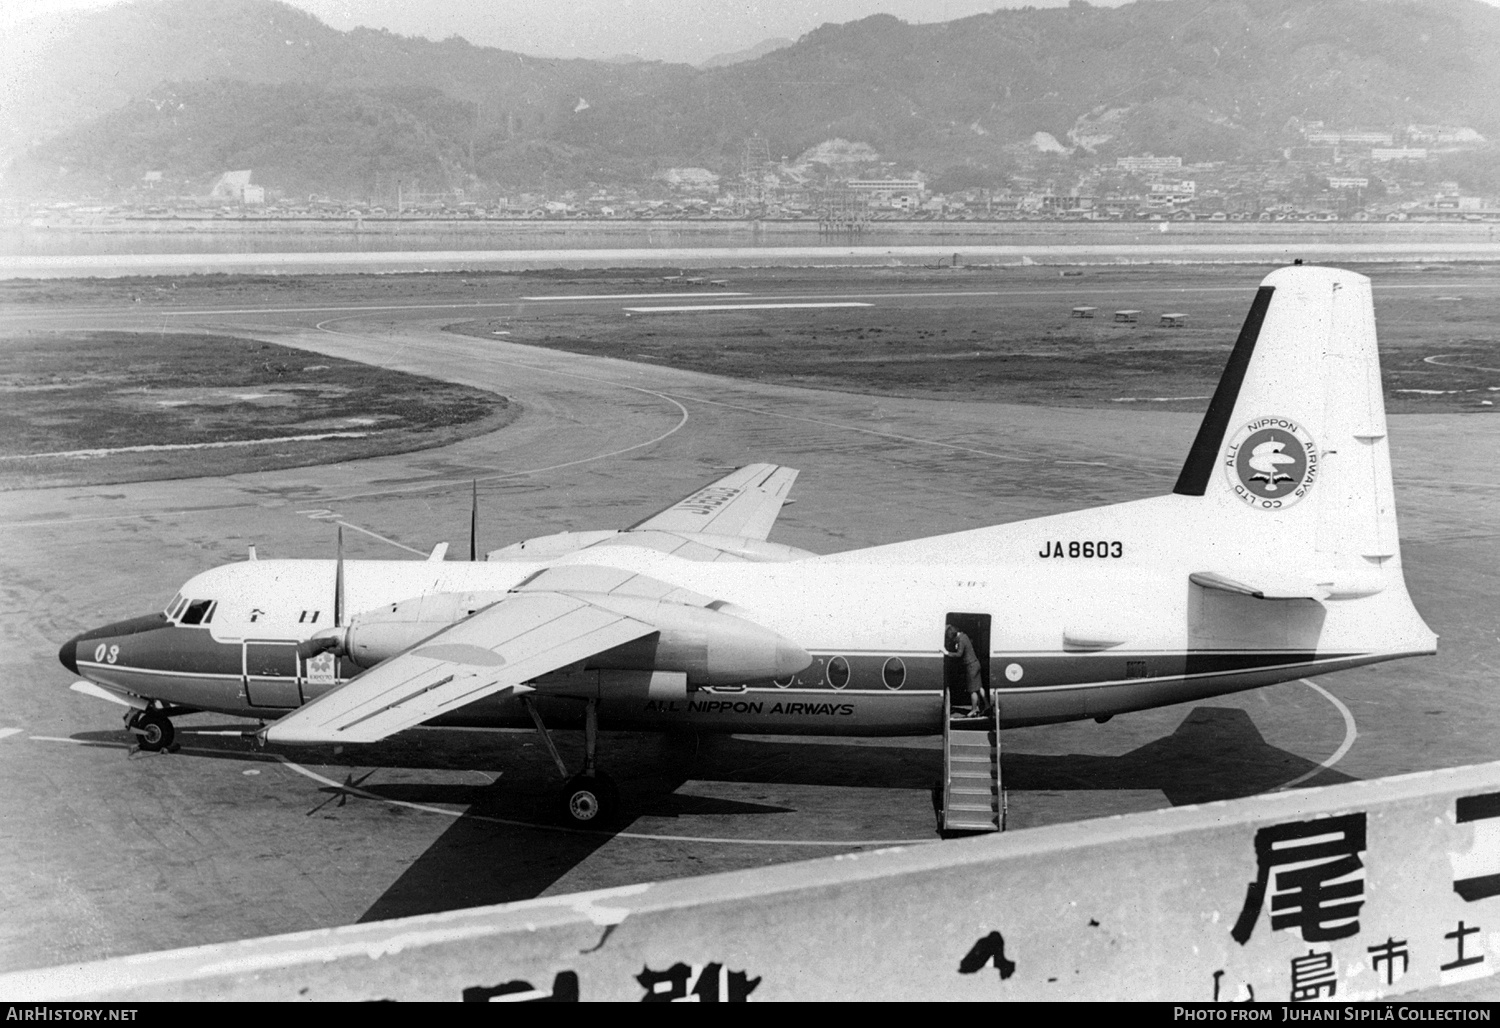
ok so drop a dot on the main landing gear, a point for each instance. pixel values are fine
(590, 798)
(152, 728)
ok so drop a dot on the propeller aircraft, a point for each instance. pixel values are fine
(1274, 557)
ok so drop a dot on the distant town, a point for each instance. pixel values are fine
(1335, 174)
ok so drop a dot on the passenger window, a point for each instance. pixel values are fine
(894, 673)
(199, 612)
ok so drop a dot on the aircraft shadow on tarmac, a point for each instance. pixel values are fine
(486, 857)
(506, 846)
(1216, 753)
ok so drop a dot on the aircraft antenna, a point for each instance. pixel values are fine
(338, 583)
(474, 523)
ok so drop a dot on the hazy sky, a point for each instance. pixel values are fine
(674, 30)
(677, 30)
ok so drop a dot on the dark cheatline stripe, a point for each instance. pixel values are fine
(1202, 457)
(1210, 663)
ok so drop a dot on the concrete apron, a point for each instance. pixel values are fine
(1347, 892)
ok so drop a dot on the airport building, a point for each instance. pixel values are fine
(888, 189)
(1336, 137)
(1167, 193)
(1148, 165)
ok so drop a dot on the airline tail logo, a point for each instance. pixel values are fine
(1271, 463)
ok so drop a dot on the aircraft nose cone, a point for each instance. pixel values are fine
(69, 655)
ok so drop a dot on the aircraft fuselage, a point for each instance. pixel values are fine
(1275, 556)
(1064, 637)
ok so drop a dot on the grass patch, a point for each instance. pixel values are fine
(1438, 351)
(112, 391)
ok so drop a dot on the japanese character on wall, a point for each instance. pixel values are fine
(564, 990)
(988, 950)
(1387, 953)
(1314, 875)
(700, 983)
(1477, 874)
(1311, 975)
(1460, 936)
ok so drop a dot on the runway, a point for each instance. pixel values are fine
(1472, 243)
(110, 852)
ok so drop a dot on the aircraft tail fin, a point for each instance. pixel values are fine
(1293, 447)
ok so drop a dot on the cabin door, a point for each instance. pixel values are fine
(271, 675)
(955, 677)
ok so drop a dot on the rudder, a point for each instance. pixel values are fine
(1293, 447)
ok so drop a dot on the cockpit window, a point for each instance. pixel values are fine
(172, 607)
(199, 612)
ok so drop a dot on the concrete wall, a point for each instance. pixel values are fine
(1353, 891)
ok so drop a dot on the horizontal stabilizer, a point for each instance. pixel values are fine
(1262, 589)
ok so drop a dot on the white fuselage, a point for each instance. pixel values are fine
(1069, 635)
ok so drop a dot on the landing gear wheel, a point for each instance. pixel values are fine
(589, 801)
(154, 731)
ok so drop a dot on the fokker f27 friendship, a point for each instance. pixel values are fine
(1275, 557)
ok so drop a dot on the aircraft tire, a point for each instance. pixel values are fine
(589, 801)
(156, 732)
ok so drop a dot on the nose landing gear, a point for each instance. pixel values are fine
(152, 728)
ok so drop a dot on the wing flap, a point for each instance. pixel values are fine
(502, 647)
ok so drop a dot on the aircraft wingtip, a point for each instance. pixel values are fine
(283, 735)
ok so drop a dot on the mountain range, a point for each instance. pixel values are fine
(91, 101)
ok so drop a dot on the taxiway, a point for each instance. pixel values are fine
(107, 851)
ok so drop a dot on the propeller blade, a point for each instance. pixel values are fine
(331, 638)
(474, 523)
(338, 583)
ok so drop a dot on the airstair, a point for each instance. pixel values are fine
(973, 798)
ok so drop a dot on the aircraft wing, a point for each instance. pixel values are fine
(499, 648)
(743, 504)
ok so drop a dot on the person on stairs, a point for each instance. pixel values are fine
(957, 644)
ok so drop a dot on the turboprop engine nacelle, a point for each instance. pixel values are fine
(710, 645)
(380, 634)
(714, 645)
